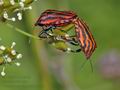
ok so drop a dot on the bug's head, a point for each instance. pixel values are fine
(36, 24)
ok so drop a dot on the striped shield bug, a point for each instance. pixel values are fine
(55, 20)
(84, 37)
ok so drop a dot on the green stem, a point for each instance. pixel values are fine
(22, 32)
(32, 36)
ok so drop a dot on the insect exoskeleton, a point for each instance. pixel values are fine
(55, 20)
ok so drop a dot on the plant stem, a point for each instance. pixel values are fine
(22, 32)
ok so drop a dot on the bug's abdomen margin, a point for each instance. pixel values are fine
(84, 37)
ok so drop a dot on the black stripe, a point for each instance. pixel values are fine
(88, 33)
(83, 33)
(88, 46)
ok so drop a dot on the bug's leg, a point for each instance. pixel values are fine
(70, 50)
(65, 36)
(76, 51)
(71, 40)
(73, 43)
(51, 30)
(45, 31)
(61, 44)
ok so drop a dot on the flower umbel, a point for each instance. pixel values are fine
(16, 7)
(8, 55)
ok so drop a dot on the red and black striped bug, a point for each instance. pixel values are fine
(55, 18)
(51, 19)
(84, 37)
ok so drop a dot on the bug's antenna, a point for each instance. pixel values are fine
(83, 64)
(91, 65)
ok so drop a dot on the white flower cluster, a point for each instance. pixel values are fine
(22, 7)
(1, 2)
(9, 55)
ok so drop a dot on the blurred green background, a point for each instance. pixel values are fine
(45, 68)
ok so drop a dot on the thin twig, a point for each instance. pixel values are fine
(22, 32)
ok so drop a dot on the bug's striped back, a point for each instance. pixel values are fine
(55, 18)
(84, 37)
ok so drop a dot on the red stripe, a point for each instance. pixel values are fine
(85, 37)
